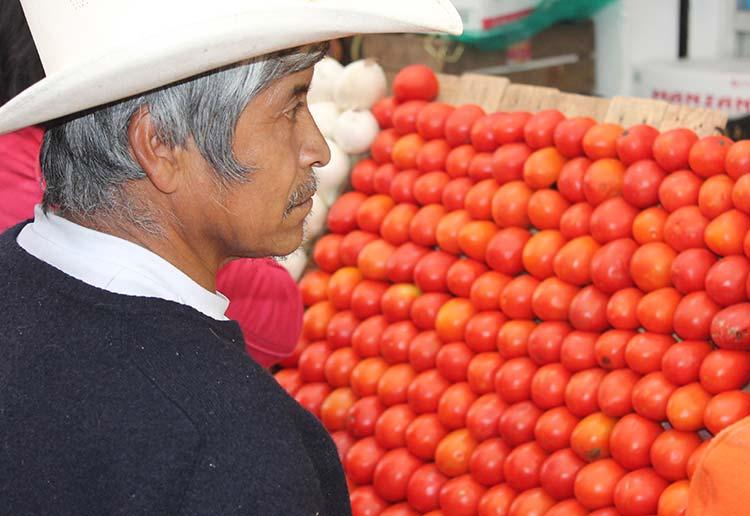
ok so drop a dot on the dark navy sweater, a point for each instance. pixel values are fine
(124, 405)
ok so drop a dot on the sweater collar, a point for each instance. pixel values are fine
(114, 264)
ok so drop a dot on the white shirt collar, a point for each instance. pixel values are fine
(114, 264)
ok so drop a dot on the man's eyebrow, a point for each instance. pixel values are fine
(300, 89)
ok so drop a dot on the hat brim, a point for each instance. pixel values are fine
(150, 63)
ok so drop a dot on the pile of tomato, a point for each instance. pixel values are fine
(527, 314)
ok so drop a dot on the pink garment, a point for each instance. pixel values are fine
(266, 302)
(20, 175)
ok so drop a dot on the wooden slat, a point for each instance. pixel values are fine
(704, 122)
(629, 111)
(483, 90)
(450, 88)
(520, 97)
(580, 105)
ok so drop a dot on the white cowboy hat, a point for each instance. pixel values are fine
(98, 51)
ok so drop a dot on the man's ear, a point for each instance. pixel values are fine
(157, 159)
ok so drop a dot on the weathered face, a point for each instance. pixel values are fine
(278, 140)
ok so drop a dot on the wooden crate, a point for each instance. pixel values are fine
(499, 94)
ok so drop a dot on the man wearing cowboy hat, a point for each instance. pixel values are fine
(180, 140)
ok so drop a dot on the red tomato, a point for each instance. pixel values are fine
(631, 440)
(686, 406)
(737, 161)
(726, 280)
(513, 337)
(545, 341)
(638, 492)
(693, 316)
(715, 196)
(423, 435)
(651, 266)
(453, 454)
(382, 180)
(343, 442)
(400, 509)
(741, 194)
(482, 137)
(397, 301)
(558, 473)
(366, 503)
(570, 180)
(474, 237)
(425, 308)
(395, 226)
(460, 496)
(362, 176)
(648, 226)
(684, 228)
(352, 244)
(517, 423)
(366, 299)
(670, 453)
(508, 161)
(724, 370)
(590, 437)
(610, 265)
(567, 508)
(423, 351)
(339, 366)
(425, 391)
(588, 310)
(509, 127)
(459, 123)
(362, 417)
(454, 404)
(394, 384)
(415, 82)
(546, 208)
(393, 472)
(612, 219)
(682, 361)
(651, 394)
(539, 253)
(290, 380)
(314, 287)
(487, 460)
(430, 273)
(341, 285)
(366, 337)
(542, 168)
(395, 340)
(326, 253)
(482, 330)
(383, 111)
(725, 409)
(432, 156)
(391, 426)
(483, 415)
(510, 205)
(548, 386)
(455, 192)
(513, 379)
(600, 141)
(615, 392)
(621, 309)
(707, 155)
(730, 328)
(453, 361)
(609, 348)
(554, 428)
(366, 375)
(534, 502)
(674, 499)
(382, 147)
(522, 466)
(603, 180)
(690, 269)
(679, 189)
(575, 222)
(672, 148)
(725, 234)
(595, 483)
(644, 352)
(569, 134)
(312, 362)
(577, 351)
(636, 143)
(552, 298)
(581, 393)
(405, 116)
(504, 252)
(482, 370)
(428, 188)
(401, 186)
(515, 300)
(431, 120)
(496, 501)
(424, 486)
(656, 310)
(373, 259)
(462, 274)
(486, 289)
(458, 162)
(540, 128)
(448, 229)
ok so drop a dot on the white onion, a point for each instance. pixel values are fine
(355, 130)
(325, 78)
(315, 223)
(295, 263)
(325, 115)
(333, 176)
(361, 85)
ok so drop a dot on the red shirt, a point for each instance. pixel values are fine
(20, 175)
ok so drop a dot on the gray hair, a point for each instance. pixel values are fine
(87, 163)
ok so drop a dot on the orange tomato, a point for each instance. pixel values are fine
(657, 308)
(513, 337)
(452, 319)
(540, 251)
(314, 287)
(707, 155)
(621, 309)
(546, 208)
(393, 386)
(725, 409)
(406, 150)
(603, 180)
(684, 228)
(651, 266)
(686, 406)
(335, 409)
(486, 290)
(572, 263)
(448, 229)
(600, 141)
(316, 319)
(725, 234)
(453, 454)
(510, 205)
(595, 483)
(590, 437)
(373, 259)
(715, 196)
(395, 226)
(543, 167)
(674, 499)
(737, 160)
(741, 194)
(366, 375)
(533, 502)
(341, 285)
(648, 225)
(552, 298)
(678, 189)
(478, 201)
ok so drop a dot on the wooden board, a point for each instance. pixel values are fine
(520, 97)
(630, 111)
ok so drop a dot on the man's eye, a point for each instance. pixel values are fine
(296, 109)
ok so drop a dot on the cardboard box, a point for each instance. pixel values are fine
(720, 84)
(480, 15)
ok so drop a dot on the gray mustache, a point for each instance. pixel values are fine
(304, 192)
